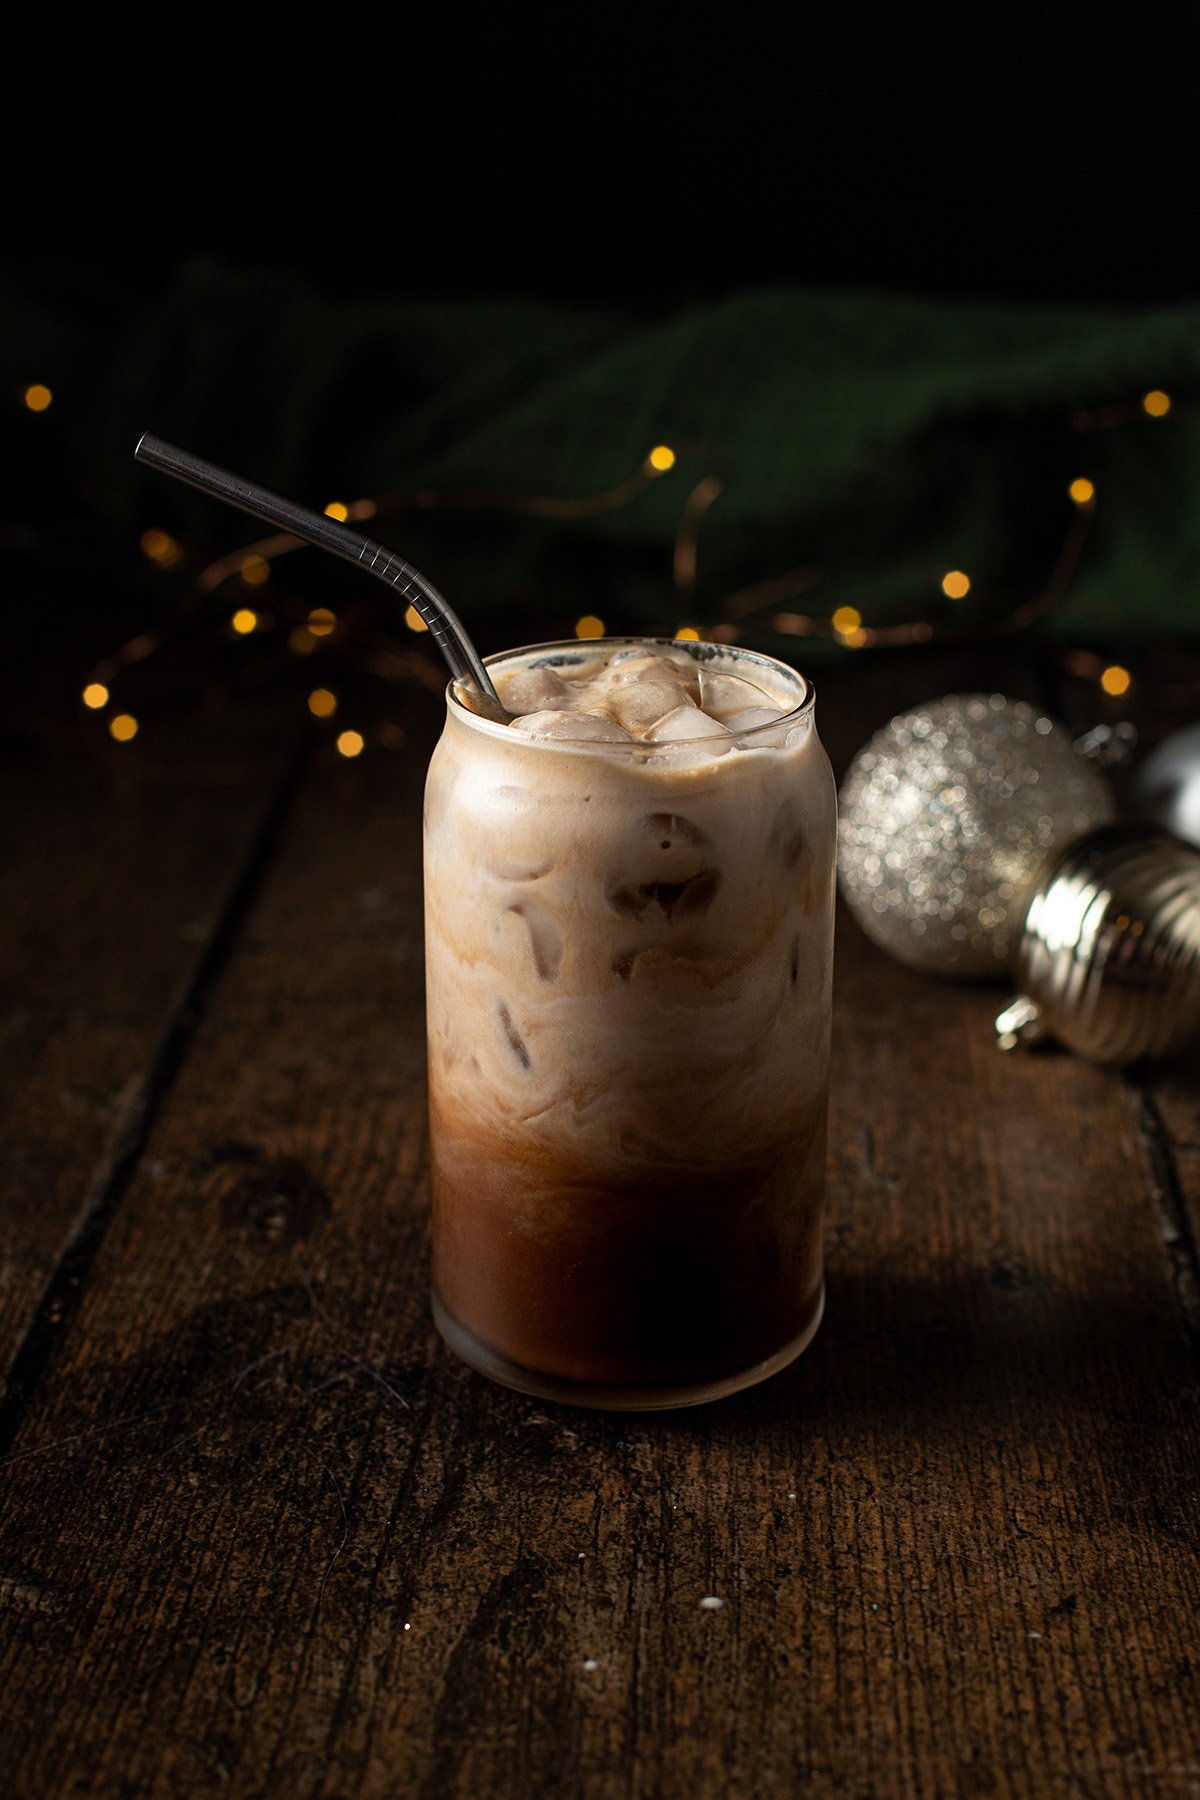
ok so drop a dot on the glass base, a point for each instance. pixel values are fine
(498, 1368)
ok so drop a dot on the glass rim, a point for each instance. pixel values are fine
(699, 650)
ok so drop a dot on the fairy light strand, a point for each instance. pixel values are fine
(758, 604)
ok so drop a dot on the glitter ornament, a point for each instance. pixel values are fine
(947, 815)
(1108, 958)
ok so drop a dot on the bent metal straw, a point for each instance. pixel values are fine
(445, 627)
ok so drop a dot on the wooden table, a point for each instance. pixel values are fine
(262, 1535)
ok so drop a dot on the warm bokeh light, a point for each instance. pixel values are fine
(335, 510)
(854, 639)
(37, 396)
(321, 621)
(350, 743)
(95, 695)
(1082, 491)
(301, 641)
(123, 727)
(322, 703)
(1156, 403)
(589, 626)
(1115, 680)
(244, 621)
(846, 619)
(661, 458)
(254, 571)
(956, 585)
(414, 621)
(687, 634)
(160, 547)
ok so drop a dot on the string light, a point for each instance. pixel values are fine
(254, 571)
(251, 563)
(687, 534)
(322, 703)
(161, 548)
(37, 397)
(687, 634)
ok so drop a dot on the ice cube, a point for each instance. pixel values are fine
(721, 695)
(683, 723)
(631, 654)
(566, 727)
(753, 717)
(545, 937)
(533, 690)
(640, 705)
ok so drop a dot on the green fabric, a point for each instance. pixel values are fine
(880, 439)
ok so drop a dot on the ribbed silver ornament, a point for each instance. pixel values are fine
(1109, 955)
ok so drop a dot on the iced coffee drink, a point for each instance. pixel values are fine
(629, 932)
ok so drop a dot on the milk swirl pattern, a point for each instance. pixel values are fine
(629, 951)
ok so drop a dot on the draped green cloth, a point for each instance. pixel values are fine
(875, 441)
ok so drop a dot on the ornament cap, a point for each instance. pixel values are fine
(1107, 746)
(1021, 1025)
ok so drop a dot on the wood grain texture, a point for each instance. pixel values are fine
(113, 891)
(263, 1536)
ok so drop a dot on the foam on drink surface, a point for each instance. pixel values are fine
(656, 695)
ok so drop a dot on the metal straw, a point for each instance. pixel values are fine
(445, 627)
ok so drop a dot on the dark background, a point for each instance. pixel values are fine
(595, 158)
(636, 165)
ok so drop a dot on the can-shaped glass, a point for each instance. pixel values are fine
(629, 955)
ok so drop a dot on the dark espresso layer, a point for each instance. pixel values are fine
(664, 1278)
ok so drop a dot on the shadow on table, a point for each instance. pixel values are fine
(975, 1363)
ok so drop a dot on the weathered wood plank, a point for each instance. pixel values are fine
(112, 890)
(262, 1533)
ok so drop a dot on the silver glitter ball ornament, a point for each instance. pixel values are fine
(947, 814)
(1108, 957)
